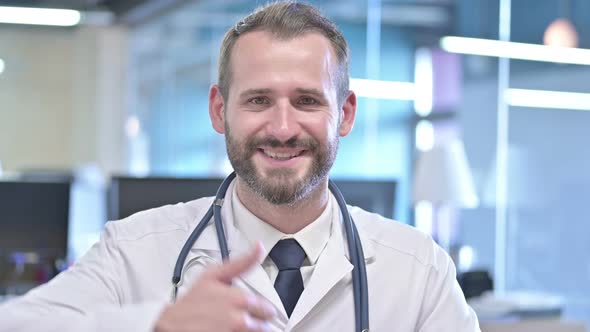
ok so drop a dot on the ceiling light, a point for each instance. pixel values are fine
(39, 16)
(522, 51)
(424, 80)
(548, 99)
(382, 89)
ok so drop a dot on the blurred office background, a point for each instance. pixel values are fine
(484, 143)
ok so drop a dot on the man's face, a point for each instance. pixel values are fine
(281, 118)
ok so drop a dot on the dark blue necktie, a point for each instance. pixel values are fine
(288, 256)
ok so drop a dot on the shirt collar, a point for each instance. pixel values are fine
(313, 238)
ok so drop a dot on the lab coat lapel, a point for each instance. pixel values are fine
(256, 278)
(332, 266)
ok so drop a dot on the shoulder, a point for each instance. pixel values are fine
(180, 217)
(396, 238)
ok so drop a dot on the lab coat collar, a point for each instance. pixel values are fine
(367, 244)
(236, 241)
(208, 239)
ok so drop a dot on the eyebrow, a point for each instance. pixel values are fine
(313, 92)
(251, 92)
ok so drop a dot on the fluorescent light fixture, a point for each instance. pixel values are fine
(1, 66)
(522, 51)
(39, 16)
(383, 89)
(423, 78)
(548, 99)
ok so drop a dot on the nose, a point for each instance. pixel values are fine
(284, 124)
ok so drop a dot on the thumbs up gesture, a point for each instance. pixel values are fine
(212, 304)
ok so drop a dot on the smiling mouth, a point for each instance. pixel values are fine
(282, 155)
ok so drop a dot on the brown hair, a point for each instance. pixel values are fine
(286, 20)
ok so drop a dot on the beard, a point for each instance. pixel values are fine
(280, 186)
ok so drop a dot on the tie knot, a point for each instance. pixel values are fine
(287, 255)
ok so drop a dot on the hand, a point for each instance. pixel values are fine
(213, 305)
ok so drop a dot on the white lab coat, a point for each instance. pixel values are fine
(124, 281)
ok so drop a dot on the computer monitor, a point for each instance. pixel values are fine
(34, 217)
(376, 196)
(128, 195)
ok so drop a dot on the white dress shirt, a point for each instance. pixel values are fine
(313, 238)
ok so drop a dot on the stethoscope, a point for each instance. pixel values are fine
(355, 249)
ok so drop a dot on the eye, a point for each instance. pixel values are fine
(258, 101)
(307, 101)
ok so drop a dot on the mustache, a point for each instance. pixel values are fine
(293, 142)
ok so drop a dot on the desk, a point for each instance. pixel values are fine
(536, 325)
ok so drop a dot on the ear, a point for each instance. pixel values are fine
(348, 114)
(216, 109)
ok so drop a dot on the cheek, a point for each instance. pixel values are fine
(322, 127)
(241, 126)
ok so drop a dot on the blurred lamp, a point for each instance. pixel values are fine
(443, 179)
(561, 33)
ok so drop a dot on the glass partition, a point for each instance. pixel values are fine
(543, 248)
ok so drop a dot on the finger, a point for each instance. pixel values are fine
(235, 267)
(260, 308)
(247, 323)
(257, 306)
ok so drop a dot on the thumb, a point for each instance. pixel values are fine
(235, 267)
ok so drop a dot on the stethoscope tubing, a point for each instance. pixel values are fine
(219, 197)
(357, 257)
(355, 250)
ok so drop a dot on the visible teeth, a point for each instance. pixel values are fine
(281, 156)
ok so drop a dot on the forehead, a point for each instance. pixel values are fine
(260, 56)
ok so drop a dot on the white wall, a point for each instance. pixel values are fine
(62, 97)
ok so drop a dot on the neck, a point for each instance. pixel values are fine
(287, 218)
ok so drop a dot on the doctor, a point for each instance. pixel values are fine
(282, 103)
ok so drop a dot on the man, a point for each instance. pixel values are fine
(282, 102)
